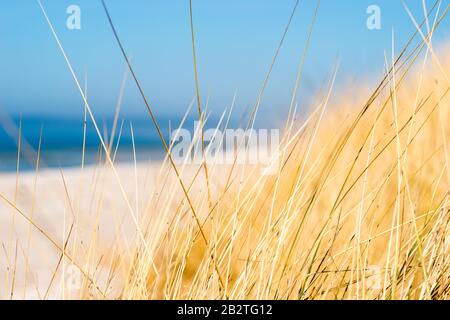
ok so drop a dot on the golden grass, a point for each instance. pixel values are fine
(358, 208)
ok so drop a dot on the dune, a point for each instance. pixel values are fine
(357, 208)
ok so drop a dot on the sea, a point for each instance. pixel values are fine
(60, 141)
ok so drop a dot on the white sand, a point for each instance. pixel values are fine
(102, 207)
(93, 198)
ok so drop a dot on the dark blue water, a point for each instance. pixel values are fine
(62, 141)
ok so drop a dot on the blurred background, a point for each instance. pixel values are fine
(235, 42)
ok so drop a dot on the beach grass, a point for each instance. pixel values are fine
(357, 207)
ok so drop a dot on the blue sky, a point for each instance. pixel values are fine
(236, 40)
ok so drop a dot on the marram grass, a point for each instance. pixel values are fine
(358, 209)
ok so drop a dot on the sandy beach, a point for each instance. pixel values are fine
(88, 205)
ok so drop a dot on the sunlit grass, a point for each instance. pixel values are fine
(358, 208)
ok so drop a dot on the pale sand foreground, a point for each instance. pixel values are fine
(54, 199)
